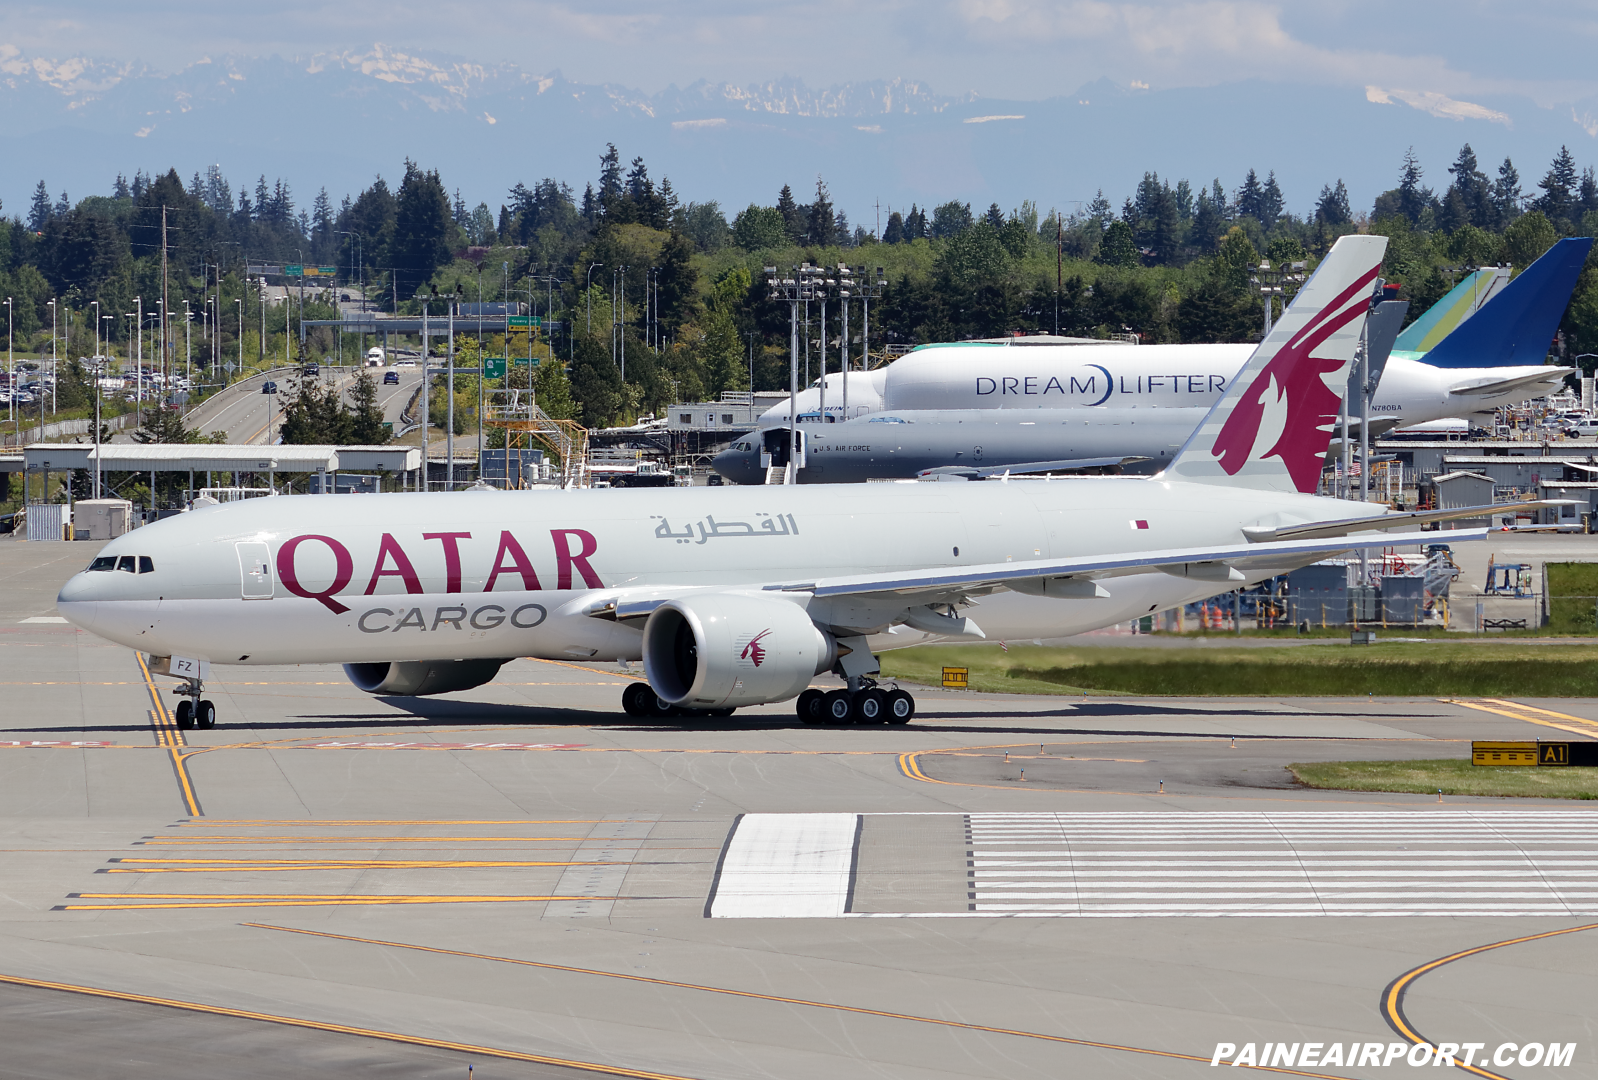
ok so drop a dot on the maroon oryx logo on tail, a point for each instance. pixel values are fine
(754, 652)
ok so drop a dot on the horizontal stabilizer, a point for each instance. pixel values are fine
(1543, 376)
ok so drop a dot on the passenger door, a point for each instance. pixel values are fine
(255, 570)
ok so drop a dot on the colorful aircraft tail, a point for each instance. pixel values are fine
(1517, 326)
(1444, 317)
(1271, 428)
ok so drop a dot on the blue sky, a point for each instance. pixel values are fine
(1023, 49)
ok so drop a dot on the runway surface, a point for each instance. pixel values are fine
(524, 880)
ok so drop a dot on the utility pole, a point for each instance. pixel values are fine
(138, 363)
(166, 352)
(1059, 268)
(845, 286)
(449, 432)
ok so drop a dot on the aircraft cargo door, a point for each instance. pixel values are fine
(255, 571)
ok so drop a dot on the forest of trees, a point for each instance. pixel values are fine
(1171, 264)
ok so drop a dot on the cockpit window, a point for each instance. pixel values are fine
(127, 565)
(104, 562)
(146, 564)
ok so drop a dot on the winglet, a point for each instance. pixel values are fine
(1271, 428)
(1516, 326)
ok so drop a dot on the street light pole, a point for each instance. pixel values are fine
(11, 372)
(589, 284)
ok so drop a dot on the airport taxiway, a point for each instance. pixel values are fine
(523, 879)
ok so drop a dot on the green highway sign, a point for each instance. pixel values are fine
(524, 322)
(293, 270)
(493, 367)
(300, 270)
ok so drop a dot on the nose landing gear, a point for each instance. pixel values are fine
(193, 711)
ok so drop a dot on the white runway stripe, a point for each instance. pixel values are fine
(1296, 864)
(786, 866)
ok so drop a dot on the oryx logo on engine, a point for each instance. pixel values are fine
(753, 651)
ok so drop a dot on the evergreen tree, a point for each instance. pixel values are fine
(915, 224)
(894, 232)
(365, 427)
(1184, 201)
(1251, 197)
(951, 219)
(1475, 191)
(421, 229)
(994, 216)
(1558, 187)
(793, 221)
(1413, 199)
(1099, 210)
(119, 190)
(821, 226)
(1586, 194)
(1270, 201)
(41, 210)
(1332, 208)
(609, 178)
(1506, 194)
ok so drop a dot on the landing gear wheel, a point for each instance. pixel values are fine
(809, 706)
(725, 710)
(205, 715)
(870, 707)
(836, 707)
(901, 707)
(637, 699)
(184, 714)
(659, 707)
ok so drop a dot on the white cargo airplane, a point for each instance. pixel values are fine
(739, 596)
(1031, 405)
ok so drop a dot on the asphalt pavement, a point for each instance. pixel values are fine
(522, 879)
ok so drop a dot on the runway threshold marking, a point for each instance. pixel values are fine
(170, 737)
(1392, 1000)
(341, 1029)
(1516, 711)
(781, 999)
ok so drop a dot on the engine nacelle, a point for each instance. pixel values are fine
(728, 649)
(419, 678)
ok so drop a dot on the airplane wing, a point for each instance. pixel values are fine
(972, 472)
(1222, 564)
(1316, 530)
(1504, 386)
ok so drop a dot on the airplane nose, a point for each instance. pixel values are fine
(735, 465)
(76, 600)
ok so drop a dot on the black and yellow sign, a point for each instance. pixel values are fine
(1534, 753)
(956, 678)
(1503, 753)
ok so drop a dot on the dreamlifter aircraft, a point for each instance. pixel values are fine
(741, 596)
(1027, 405)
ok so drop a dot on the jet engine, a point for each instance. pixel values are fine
(727, 649)
(419, 678)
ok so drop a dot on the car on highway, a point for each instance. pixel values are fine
(391, 377)
(311, 369)
(405, 363)
(269, 387)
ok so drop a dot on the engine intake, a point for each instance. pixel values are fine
(420, 678)
(729, 649)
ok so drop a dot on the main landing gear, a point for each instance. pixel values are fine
(866, 704)
(642, 701)
(193, 711)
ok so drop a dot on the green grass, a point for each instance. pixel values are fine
(1397, 669)
(1571, 590)
(1453, 777)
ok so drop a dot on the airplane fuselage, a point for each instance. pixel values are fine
(357, 578)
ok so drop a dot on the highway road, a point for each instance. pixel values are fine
(244, 414)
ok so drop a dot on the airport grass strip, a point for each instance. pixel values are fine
(1451, 776)
(778, 999)
(340, 1029)
(1394, 669)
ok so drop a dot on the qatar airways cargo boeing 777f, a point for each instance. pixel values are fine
(741, 596)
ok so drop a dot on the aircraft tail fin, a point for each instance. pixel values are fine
(1271, 428)
(1516, 326)
(1445, 316)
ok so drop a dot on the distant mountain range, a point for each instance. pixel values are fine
(338, 120)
